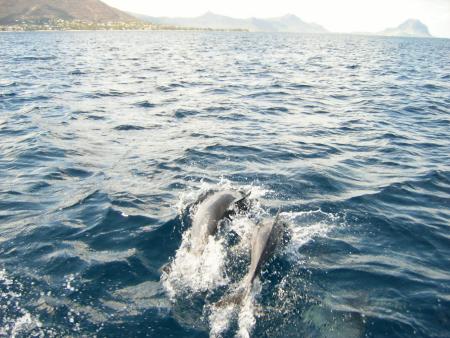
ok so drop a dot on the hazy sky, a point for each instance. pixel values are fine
(335, 15)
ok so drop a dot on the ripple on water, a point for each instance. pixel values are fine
(128, 127)
(184, 113)
(145, 104)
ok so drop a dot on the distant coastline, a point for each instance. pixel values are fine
(76, 25)
(79, 26)
(159, 29)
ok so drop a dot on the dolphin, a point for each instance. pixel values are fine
(207, 213)
(267, 236)
(210, 210)
(265, 240)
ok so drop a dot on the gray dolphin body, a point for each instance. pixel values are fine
(267, 236)
(210, 211)
(265, 239)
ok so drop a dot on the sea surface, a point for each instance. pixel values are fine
(107, 138)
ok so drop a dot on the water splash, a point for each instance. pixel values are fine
(246, 317)
(305, 226)
(210, 273)
(193, 272)
(204, 272)
(15, 320)
(220, 318)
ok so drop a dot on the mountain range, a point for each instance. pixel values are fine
(409, 28)
(17, 12)
(14, 11)
(287, 23)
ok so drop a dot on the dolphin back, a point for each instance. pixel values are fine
(214, 207)
(265, 240)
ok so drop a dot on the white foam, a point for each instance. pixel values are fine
(306, 226)
(25, 324)
(243, 227)
(19, 322)
(69, 279)
(4, 278)
(220, 319)
(246, 317)
(195, 272)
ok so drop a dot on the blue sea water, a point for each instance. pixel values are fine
(107, 137)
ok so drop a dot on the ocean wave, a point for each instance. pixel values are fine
(93, 207)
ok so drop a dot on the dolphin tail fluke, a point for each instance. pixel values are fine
(234, 298)
(166, 268)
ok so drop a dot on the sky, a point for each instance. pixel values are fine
(341, 16)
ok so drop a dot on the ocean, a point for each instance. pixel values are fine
(108, 138)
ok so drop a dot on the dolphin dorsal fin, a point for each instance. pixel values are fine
(277, 216)
(240, 203)
(244, 196)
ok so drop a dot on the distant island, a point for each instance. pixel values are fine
(287, 23)
(409, 28)
(29, 15)
(63, 15)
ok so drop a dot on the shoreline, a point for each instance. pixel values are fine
(124, 30)
(218, 31)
